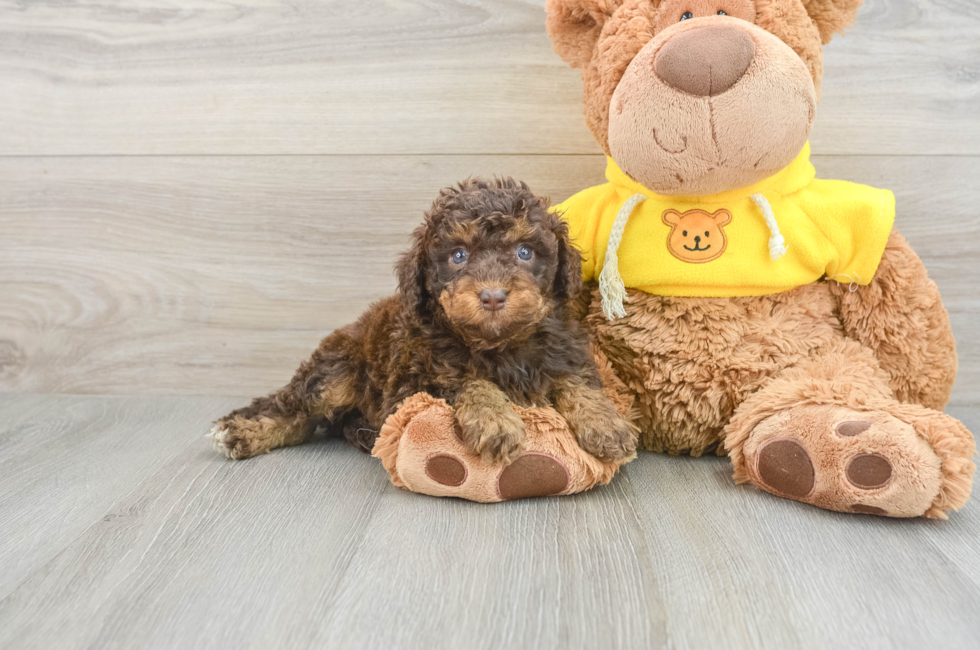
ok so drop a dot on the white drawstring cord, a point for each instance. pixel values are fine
(610, 281)
(855, 281)
(777, 244)
(611, 285)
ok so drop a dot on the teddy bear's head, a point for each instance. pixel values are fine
(694, 97)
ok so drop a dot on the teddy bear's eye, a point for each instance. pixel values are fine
(706, 233)
(687, 15)
(685, 233)
(721, 13)
(459, 256)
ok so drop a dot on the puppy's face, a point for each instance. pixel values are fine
(490, 261)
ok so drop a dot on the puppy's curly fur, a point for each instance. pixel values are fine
(481, 320)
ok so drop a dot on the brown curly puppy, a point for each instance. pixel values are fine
(481, 320)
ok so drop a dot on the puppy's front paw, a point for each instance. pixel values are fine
(497, 436)
(605, 435)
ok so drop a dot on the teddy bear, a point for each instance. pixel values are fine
(738, 304)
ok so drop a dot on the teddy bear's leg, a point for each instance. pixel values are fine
(614, 388)
(830, 432)
(900, 317)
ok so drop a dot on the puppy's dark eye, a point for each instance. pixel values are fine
(459, 256)
(524, 253)
(685, 233)
(687, 15)
(721, 13)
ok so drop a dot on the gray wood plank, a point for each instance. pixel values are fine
(217, 275)
(64, 461)
(741, 568)
(413, 76)
(312, 547)
(206, 553)
(574, 572)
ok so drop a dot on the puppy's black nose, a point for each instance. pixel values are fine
(493, 299)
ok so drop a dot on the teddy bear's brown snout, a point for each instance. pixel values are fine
(707, 61)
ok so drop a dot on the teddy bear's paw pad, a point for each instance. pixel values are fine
(851, 428)
(533, 474)
(869, 471)
(840, 459)
(784, 465)
(446, 470)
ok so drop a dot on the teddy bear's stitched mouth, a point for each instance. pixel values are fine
(661, 145)
(696, 248)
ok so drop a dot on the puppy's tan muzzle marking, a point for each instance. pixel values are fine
(706, 61)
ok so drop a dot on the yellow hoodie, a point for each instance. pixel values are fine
(786, 231)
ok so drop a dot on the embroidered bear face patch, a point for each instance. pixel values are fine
(696, 235)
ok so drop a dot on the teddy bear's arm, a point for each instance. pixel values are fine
(901, 318)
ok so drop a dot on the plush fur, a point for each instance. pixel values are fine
(422, 453)
(739, 375)
(481, 321)
(603, 37)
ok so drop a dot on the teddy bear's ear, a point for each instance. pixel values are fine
(574, 27)
(831, 16)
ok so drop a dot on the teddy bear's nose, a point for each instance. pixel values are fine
(705, 61)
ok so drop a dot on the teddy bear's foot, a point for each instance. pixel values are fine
(532, 474)
(422, 447)
(870, 462)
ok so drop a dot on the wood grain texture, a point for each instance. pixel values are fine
(213, 275)
(64, 461)
(413, 76)
(743, 569)
(311, 547)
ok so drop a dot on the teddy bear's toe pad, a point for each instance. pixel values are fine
(852, 428)
(869, 471)
(785, 466)
(840, 459)
(532, 475)
(446, 470)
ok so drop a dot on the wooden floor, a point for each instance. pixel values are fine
(193, 193)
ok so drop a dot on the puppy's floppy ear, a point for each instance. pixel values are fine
(411, 271)
(568, 275)
(831, 16)
(574, 27)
